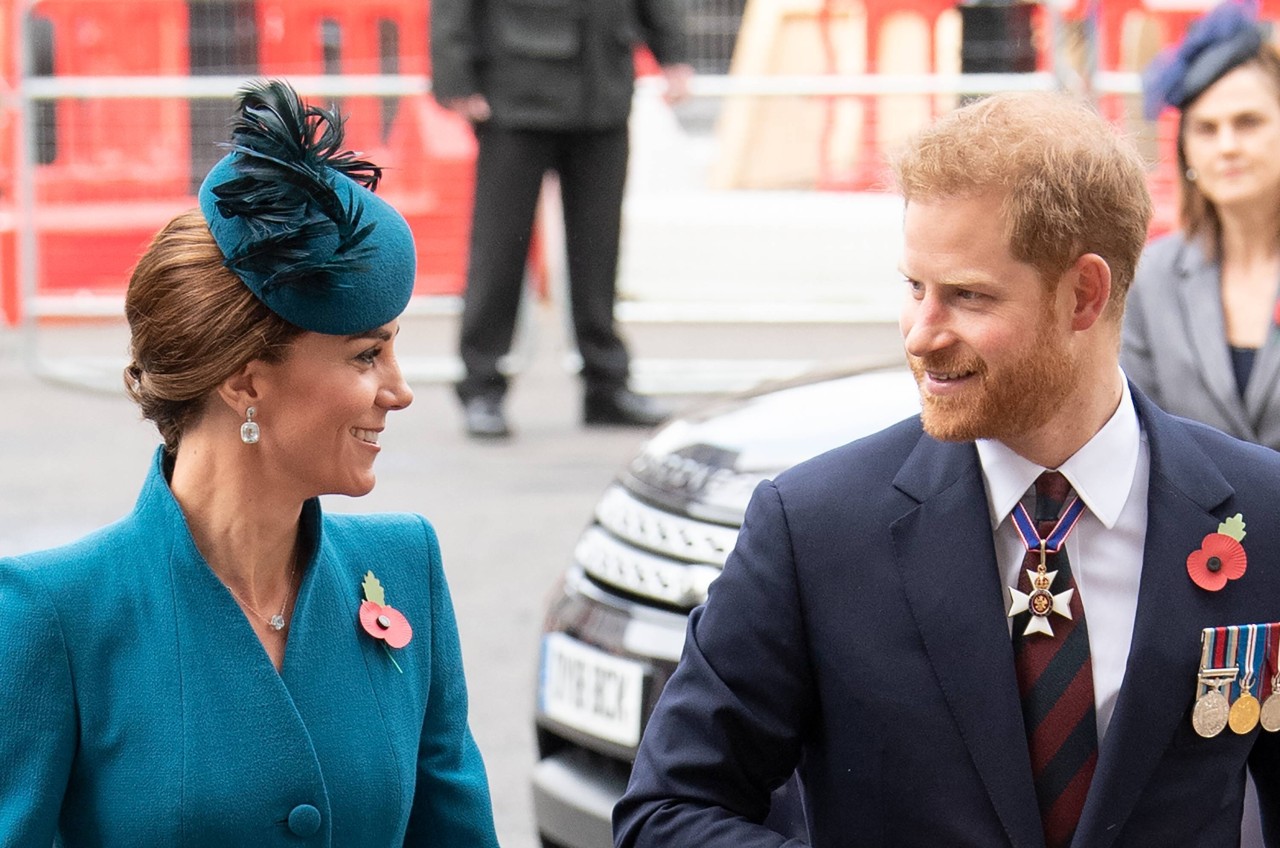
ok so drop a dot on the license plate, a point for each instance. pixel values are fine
(590, 690)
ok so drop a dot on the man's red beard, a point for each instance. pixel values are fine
(1002, 406)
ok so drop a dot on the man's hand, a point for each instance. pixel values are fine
(677, 77)
(473, 107)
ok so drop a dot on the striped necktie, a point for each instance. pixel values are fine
(1055, 679)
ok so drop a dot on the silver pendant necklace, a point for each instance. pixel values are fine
(275, 622)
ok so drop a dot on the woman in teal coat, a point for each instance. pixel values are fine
(227, 665)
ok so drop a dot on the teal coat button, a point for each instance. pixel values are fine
(304, 820)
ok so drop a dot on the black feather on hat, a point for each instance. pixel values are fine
(297, 220)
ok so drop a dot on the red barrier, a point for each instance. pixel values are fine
(113, 171)
(9, 294)
(432, 185)
(112, 150)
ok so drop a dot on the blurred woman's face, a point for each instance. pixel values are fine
(324, 407)
(1231, 138)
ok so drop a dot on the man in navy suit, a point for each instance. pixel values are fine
(986, 625)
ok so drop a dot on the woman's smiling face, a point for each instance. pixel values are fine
(323, 407)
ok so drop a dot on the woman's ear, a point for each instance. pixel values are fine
(242, 389)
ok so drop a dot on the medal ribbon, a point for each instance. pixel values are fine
(1251, 668)
(1271, 660)
(1053, 542)
(1233, 651)
(1214, 651)
(1208, 636)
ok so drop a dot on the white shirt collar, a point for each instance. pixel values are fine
(1101, 472)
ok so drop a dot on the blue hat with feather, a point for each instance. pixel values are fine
(296, 218)
(1226, 37)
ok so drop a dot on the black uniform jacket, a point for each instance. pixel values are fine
(550, 64)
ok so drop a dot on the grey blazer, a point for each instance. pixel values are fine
(1175, 346)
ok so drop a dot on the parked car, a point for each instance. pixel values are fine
(661, 532)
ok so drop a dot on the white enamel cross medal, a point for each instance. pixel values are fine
(1041, 601)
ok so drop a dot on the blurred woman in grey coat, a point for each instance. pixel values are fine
(1200, 332)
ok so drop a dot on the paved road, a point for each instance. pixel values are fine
(508, 515)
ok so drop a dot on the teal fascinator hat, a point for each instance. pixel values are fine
(297, 221)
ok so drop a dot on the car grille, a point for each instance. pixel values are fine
(651, 553)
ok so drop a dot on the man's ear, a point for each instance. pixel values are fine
(243, 389)
(1089, 279)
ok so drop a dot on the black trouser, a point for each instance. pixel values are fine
(592, 165)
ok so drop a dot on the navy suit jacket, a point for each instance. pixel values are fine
(138, 707)
(858, 635)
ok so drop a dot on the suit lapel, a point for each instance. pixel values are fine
(958, 603)
(1185, 486)
(1200, 301)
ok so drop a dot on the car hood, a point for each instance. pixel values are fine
(706, 464)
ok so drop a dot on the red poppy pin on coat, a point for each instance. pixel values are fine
(1220, 556)
(381, 621)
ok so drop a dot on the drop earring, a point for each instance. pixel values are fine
(249, 430)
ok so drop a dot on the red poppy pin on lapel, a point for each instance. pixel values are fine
(1220, 556)
(381, 621)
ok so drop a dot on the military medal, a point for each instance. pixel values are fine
(1246, 709)
(1269, 717)
(1042, 600)
(1212, 710)
(1244, 714)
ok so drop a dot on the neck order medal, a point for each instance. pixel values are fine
(1042, 601)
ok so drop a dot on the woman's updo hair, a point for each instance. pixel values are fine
(193, 324)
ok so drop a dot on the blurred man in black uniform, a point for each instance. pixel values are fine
(547, 85)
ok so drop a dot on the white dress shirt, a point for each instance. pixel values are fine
(1110, 474)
